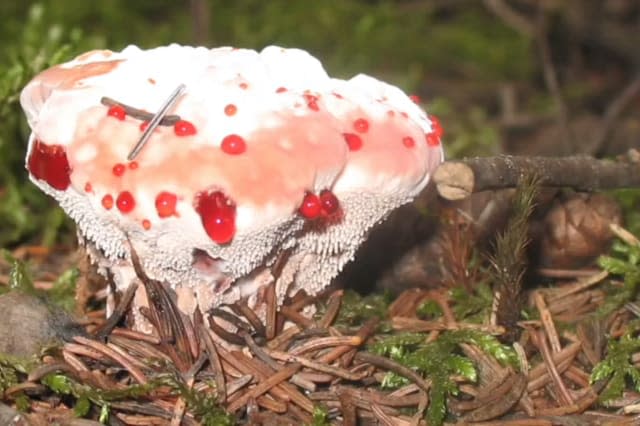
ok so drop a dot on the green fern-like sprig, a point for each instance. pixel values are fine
(616, 367)
(439, 361)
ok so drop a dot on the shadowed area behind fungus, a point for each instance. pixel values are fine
(406, 228)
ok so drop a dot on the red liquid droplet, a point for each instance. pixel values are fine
(119, 169)
(117, 111)
(433, 139)
(133, 165)
(354, 142)
(311, 206)
(218, 214)
(361, 125)
(125, 202)
(243, 86)
(233, 144)
(146, 224)
(312, 102)
(144, 125)
(408, 141)
(49, 163)
(166, 204)
(88, 187)
(107, 202)
(184, 128)
(415, 99)
(230, 110)
(329, 201)
(281, 89)
(436, 127)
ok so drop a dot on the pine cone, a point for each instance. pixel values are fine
(576, 230)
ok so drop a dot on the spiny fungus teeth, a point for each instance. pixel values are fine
(261, 151)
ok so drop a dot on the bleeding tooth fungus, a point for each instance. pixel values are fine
(272, 162)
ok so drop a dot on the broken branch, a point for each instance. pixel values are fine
(456, 180)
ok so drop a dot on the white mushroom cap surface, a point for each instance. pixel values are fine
(268, 153)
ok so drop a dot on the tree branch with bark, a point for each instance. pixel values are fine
(456, 180)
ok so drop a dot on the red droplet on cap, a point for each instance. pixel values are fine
(329, 201)
(117, 111)
(230, 109)
(88, 187)
(49, 163)
(361, 125)
(432, 139)
(166, 204)
(125, 202)
(415, 99)
(107, 202)
(312, 101)
(233, 144)
(184, 128)
(311, 206)
(408, 141)
(119, 169)
(281, 89)
(354, 142)
(436, 127)
(218, 215)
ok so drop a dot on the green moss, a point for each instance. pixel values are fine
(472, 306)
(62, 293)
(19, 275)
(357, 309)
(320, 416)
(439, 361)
(24, 210)
(616, 367)
(202, 405)
(629, 200)
(623, 261)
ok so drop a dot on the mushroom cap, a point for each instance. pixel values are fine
(256, 133)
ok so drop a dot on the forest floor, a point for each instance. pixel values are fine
(425, 356)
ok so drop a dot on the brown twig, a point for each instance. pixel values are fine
(541, 342)
(119, 312)
(397, 368)
(456, 180)
(510, 17)
(216, 364)
(241, 308)
(551, 76)
(168, 120)
(547, 321)
(122, 358)
(613, 111)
